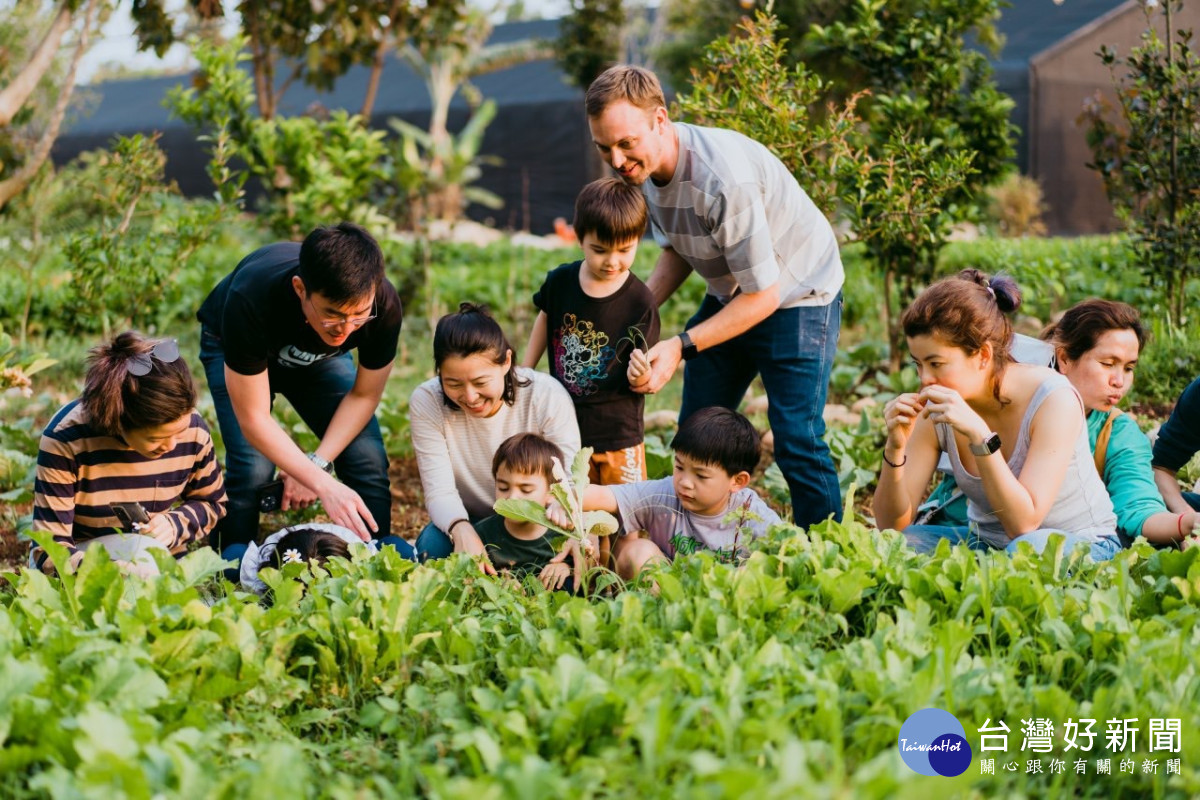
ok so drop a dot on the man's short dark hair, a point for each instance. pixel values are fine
(527, 454)
(720, 437)
(342, 262)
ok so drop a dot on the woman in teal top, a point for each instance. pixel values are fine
(1097, 344)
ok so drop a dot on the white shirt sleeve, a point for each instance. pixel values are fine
(426, 415)
(558, 423)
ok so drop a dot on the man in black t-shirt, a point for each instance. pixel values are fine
(284, 322)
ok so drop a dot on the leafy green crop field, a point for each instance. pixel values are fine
(787, 677)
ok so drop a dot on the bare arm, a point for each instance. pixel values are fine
(1168, 527)
(355, 411)
(1021, 503)
(911, 445)
(670, 271)
(1168, 486)
(599, 498)
(739, 315)
(251, 399)
(537, 342)
(595, 498)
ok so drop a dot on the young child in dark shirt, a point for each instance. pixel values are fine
(524, 468)
(593, 314)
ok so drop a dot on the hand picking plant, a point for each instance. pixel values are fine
(568, 490)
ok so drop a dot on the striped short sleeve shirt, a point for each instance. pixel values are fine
(80, 472)
(739, 218)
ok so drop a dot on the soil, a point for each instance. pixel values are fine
(1158, 411)
(12, 552)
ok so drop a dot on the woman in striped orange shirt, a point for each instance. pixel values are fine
(132, 442)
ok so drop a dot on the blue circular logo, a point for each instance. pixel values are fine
(933, 742)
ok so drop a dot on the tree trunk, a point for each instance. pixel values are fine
(16, 94)
(1178, 292)
(35, 254)
(13, 186)
(889, 324)
(373, 84)
(441, 92)
(380, 59)
(264, 68)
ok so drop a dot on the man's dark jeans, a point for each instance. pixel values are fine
(315, 392)
(793, 351)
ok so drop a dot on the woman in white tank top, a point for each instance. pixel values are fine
(1014, 433)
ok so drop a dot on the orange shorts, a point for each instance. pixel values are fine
(618, 466)
(627, 465)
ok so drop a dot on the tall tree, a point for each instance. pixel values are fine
(300, 40)
(938, 127)
(28, 135)
(589, 39)
(448, 49)
(1147, 150)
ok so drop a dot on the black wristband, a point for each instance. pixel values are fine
(689, 350)
(903, 461)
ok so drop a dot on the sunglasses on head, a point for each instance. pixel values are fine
(165, 351)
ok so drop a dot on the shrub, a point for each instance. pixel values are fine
(1016, 206)
(314, 168)
(787, 677)
(1149, 157)
(126, 261)
(743, 83)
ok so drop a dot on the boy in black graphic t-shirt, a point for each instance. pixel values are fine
(593, 314)
(284, 322)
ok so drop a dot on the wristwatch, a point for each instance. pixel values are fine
(989, 445)
(689, 347)
(321, 463)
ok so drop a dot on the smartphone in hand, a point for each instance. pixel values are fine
(131, 515)
(270, 496)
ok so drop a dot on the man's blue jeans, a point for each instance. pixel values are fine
(793, 351)
(925, 538)
(315, 392)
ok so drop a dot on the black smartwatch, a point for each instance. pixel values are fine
(990, 445)
(689, 347)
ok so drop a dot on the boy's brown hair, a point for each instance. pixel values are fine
(634, 85)
(611, 210)
(528, 454)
